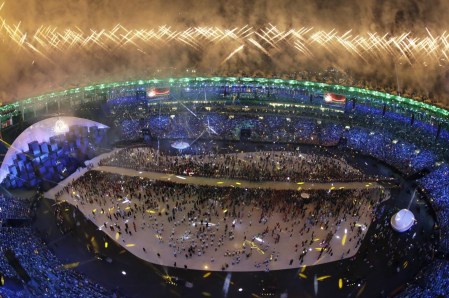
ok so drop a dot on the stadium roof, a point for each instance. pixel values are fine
(415, 105)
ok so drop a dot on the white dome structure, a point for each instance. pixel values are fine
(41, 131)
(403, 220)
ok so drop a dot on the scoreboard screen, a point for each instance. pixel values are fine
(157, 92)
(332, 98)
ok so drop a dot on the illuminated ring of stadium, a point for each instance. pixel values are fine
(349, 92)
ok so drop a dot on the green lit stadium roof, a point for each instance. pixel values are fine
(414, 105)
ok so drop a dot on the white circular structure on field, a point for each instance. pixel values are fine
(180, 145)
(403, 220)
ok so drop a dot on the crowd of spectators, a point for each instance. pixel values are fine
(418, 145)
(436, 185)
(404, 156)
(254, 166)
(421, 132)
(432, 282)
(14, 208)
(404, 153)
(409, 148)
(267, 128)
(48, 277)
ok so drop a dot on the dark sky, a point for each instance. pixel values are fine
(26, 73)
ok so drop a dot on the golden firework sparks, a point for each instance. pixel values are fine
(425, 49)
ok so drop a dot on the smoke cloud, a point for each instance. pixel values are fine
(26, 73)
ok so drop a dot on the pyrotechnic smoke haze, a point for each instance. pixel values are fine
(38, 54)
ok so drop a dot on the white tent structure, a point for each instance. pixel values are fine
(402, 220)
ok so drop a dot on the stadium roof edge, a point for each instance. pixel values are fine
(345, 90)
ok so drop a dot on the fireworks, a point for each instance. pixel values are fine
(47, 40)
(233, 53)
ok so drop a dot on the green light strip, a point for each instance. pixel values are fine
(360, 93)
